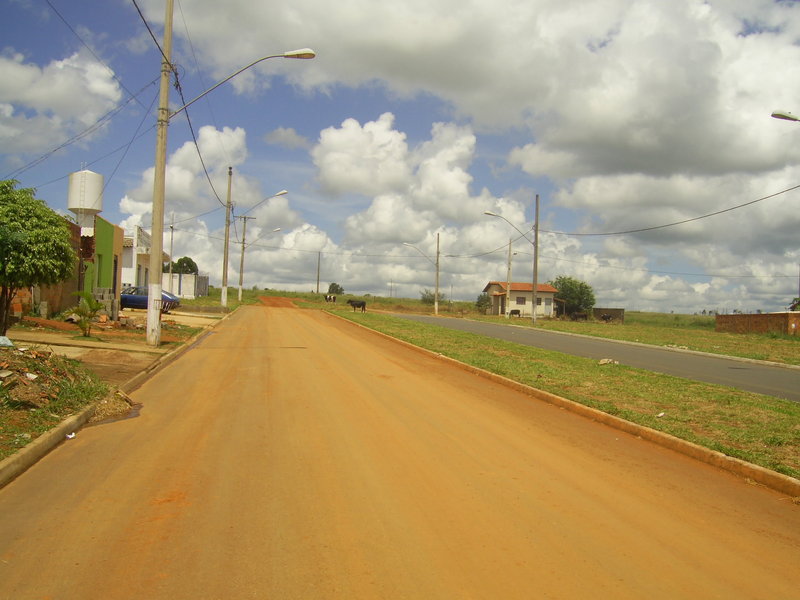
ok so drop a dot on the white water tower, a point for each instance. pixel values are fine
(85, 198)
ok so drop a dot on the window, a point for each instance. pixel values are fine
(538, 300)
(520, 300)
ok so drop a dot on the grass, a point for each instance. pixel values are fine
(62, 387)
(758, 429)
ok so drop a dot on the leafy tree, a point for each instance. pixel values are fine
(86, 311)
(183, 265)
(578, 296)
(429, 296)
(335, 289)
(483, 302)
(795, 305)
(35, 246)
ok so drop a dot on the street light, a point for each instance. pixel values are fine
(435, 264)
(785, 115)
(223, 298)
(159, 178)
(241, 261)
(535, 244)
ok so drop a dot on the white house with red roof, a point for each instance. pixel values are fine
(520, 298)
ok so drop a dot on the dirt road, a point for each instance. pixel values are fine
(291, 455)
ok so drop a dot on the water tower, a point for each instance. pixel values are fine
(85, 198)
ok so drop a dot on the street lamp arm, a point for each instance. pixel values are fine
(785, 115)
(257, 204)
(304, 53)
(491, 214)
(421, 252)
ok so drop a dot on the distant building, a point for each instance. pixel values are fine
(521, 298)
(136, 258)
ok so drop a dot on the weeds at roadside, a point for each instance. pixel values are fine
(38, 390)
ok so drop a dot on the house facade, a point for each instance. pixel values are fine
(102, 266)
(136, 258)
(520, 298)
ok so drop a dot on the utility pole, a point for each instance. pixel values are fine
(436, 293)
(535, 257)
(508, 282)
(224, 294)
(241, 262)
(319, 259)
(171, 239)
(159, 183)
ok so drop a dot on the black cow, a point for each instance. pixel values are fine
(358, 304)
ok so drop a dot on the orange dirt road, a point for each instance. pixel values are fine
(293, 455)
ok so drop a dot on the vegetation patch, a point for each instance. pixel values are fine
(38, 390)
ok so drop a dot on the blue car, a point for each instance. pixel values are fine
(136, 297)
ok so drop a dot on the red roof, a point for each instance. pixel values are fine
(523, 287)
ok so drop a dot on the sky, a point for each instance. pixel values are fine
(643, 126)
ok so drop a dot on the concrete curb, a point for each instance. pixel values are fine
(771, 479)
(15, 465)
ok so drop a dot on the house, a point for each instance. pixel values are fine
(521, 297)
(136, 258)
(101, 266)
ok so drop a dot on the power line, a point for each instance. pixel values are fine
(713, 214)
(89, 48)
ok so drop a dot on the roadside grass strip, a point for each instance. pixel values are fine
(759, 429)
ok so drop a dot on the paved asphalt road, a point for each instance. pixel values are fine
(759, 377)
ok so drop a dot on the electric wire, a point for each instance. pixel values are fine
(202, 82)
(683, 222)
(89, 48)
(102, 121)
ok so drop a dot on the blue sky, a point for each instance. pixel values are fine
(414, 119)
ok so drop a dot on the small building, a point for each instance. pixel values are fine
(184, 285)
(136, 258)
(521, 299)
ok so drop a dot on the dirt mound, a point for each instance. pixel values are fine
(51, 324)
(276, 302)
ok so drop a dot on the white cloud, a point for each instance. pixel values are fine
(45, 106)
(287, 137)
(369, 159)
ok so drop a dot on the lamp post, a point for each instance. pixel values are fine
(241, 261)
(226, 243)
(785, 115)
(535, 244)
(159, 178)
(435, 264)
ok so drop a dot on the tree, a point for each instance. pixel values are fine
(86, 311)
(183, 265)
(578, 296)
(335, 289)
(35, 246)
(429, 296)
(483, 302)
